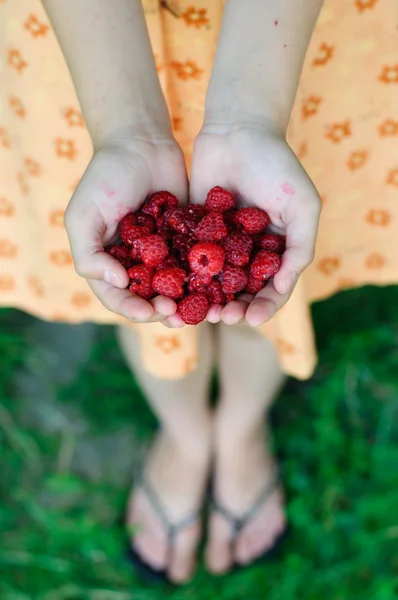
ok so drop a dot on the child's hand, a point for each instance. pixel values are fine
(117, 181)
(260, 169)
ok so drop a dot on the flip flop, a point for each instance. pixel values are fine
(145, 571)
(238, 523)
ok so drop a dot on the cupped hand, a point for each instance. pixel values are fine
(256, 164)
(117, 181)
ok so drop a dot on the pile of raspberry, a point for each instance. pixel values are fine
(198, 255)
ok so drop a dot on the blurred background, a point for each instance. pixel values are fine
(73, 423)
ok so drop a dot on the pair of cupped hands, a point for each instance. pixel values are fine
(253, 162)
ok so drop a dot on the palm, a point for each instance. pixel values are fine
(261, 170)
(117, 181)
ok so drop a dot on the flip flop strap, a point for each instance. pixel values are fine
(238, 522)
(172, 528)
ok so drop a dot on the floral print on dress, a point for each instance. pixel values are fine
(338, 131)
(187, 70)
(35, 27)
(363, 5)
(196, 17)
(16, 61)
(344, 130)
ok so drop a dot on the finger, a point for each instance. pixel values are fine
(85, 233)
(234, 312)
(163, 306)
(122, 302)
(301, 232)
(214, 313)
(173, 322)
(265, 305)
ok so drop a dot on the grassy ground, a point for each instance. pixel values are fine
(68, 436)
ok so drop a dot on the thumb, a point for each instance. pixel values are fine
(90, 259)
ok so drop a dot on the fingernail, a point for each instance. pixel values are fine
(112, 278)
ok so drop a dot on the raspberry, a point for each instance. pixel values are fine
(145, 221)
(169, 261)
(183, 243)
(158, 203)
(141, 280)
(193, 309)
(233, 279)
(129, 230)
(184, 219)
(254, 285)
(121, 253)
(214, 293)
(271, 242)
(252, 219)
(265, 265)
(174, 218)
(219, 200)
(193, 213)
(211, 228)
(153, 250)
(197, 283)
(169, 282)
(238, 247)
(135, 250)
(206, 259)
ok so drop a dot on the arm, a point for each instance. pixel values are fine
(259, 59)
(242, 144)
(107, 48)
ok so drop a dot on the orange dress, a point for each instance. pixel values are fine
(344, 129)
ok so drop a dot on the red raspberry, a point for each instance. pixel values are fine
(252, 219)
(271, 242)
(193, 309)
(169, 282)
(254, 285)
(214, 293)
(174, 218)
(141, 281)
(265, 265)
(183, 243)
(184, 219)
(206, 259)
(229, 220)
(233, 279)
(121, 253)
(193, 213)
(238, 247)
(129, 230)
(153, 250)
(170, 261)
(158, 203)
(211, 228)
(135, 250)
(145, 221)
(219, 200)
(197, 283)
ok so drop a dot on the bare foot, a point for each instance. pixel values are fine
(178, 475)
(243, 467)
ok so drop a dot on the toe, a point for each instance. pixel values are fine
(260, 535)
(183, 555)
(218, 551)
(152, 550)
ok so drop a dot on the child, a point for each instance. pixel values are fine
(345, 134)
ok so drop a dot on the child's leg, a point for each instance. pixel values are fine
(178, 465)
(250, 380)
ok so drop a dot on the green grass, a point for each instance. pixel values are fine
(337, 435)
